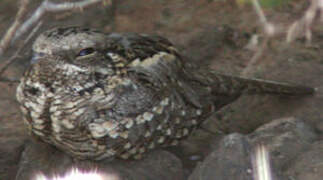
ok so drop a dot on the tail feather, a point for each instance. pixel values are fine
(237, 85)
(226, 88)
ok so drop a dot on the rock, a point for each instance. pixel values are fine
(40, 157)
(285, 138)
(308, 165)
(231, 160)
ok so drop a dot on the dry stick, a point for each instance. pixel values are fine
(12, 59)
(303, 25)
(253, 61)
(259, 12)
(33, 32)
(5, 41)
(48, 6)
(268, 30)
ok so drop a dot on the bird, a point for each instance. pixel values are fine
(98, 96)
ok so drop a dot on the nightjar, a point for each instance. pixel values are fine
(102, 96)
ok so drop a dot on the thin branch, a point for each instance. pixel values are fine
(9, 62)
(33, 32)
(269, 28)
(301, 27)
(5, 41)
(253, 61)
(47, 6)
(13, 58)
(269, 31)
(259, 12)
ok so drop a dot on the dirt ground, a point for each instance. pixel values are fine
(214, 33)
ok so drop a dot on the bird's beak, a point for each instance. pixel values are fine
(36, 56)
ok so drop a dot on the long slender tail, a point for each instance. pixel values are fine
(224, 89)
(225, 84)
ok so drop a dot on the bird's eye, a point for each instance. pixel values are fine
(86, 51)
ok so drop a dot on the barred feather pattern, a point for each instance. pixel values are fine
(108, 95)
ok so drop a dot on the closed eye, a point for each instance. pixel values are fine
(85, 52)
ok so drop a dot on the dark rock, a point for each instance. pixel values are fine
(231, 160)
(40, 157)
(284, 138)
(308, 165)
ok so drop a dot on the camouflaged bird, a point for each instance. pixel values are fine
(98, 96)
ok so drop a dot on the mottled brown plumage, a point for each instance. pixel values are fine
(98, 96)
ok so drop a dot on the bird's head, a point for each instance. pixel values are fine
(74, 49)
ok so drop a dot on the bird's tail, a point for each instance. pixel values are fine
(225, 84)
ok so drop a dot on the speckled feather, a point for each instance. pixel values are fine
(98, 96)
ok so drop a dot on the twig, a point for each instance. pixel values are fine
(302, 27)
(39, 24)
(269, 31)
(259, 12)
(10, 61)
(253, 61)
(13, 58)
(5, 41)
(269, 28)
(47, 6)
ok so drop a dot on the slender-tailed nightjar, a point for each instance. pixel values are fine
(101, 95)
